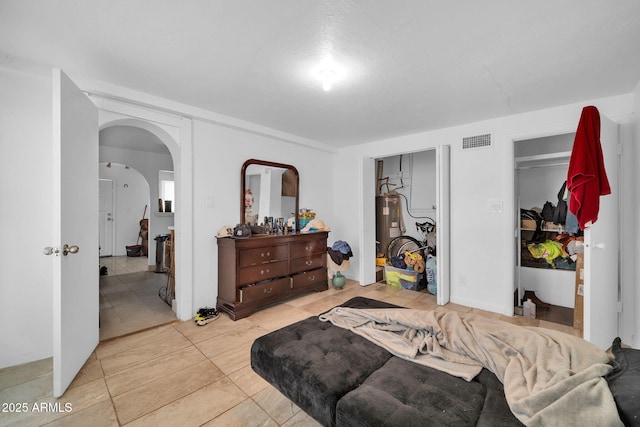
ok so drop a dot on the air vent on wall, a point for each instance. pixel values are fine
(477, 141)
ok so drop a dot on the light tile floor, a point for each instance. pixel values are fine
(132, 302)
(182, 374)
(124, 264)
(129, 297)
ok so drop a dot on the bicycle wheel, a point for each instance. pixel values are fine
(399, 245)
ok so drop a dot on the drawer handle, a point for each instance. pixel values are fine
(308, 262)
(262, 254)
(267, 291)
(308, 248)
(264, 271)
(312, 278)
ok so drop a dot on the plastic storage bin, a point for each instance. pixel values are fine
(134, 250)
(402, 278)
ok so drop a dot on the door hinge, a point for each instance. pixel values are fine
(619, 306)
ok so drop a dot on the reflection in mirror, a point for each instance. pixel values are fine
(268, 190)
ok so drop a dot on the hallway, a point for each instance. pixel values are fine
(125, 264)
(129, 297)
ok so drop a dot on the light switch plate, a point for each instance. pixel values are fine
(496, 206)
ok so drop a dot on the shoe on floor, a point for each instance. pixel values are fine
(205, 315)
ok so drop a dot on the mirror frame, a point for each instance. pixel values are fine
(243, 171)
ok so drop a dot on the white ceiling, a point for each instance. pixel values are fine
(411, 65)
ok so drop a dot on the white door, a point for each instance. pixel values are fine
(105, 218)
(443, 189)
(601, 257)
(75, 213)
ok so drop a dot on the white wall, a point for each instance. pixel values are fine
(481, 242)
(218, 155)
(26, 224)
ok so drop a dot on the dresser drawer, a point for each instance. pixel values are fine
(262, 272)
(303, 249)
(309, 263)
(308, 278)
(264, 290)
(248, 257)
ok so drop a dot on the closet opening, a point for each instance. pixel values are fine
(549, 246)
(412, 220)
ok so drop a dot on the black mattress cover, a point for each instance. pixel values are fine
(340, 378)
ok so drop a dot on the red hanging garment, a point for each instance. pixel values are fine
(587, 178)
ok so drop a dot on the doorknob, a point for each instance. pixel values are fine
(49, 251)
(66, 249)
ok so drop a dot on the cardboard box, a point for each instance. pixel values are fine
(578, 308)
(528, 224)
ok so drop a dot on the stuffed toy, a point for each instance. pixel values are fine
(414, 261)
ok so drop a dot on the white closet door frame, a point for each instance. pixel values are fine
(443, 195)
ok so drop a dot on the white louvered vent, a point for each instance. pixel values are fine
(477, 141)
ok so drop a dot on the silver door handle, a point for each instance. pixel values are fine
(50, 251)
(66, 250)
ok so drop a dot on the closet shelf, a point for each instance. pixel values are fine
(560, 158)
(553, 230)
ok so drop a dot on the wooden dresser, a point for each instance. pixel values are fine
(262, 270)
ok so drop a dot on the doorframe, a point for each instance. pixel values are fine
(113, 208)
(511, 207)
(367, 237)
(175, 132)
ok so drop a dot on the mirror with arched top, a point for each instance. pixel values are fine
(268, 189)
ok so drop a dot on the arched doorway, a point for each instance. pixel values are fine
(135, 288)
(132, 150)
(175, 133)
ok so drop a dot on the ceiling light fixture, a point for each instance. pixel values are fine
(327, 76)
(328, 72)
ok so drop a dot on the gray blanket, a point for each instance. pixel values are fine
(550, 378)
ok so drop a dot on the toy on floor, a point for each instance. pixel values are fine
(414, 261)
